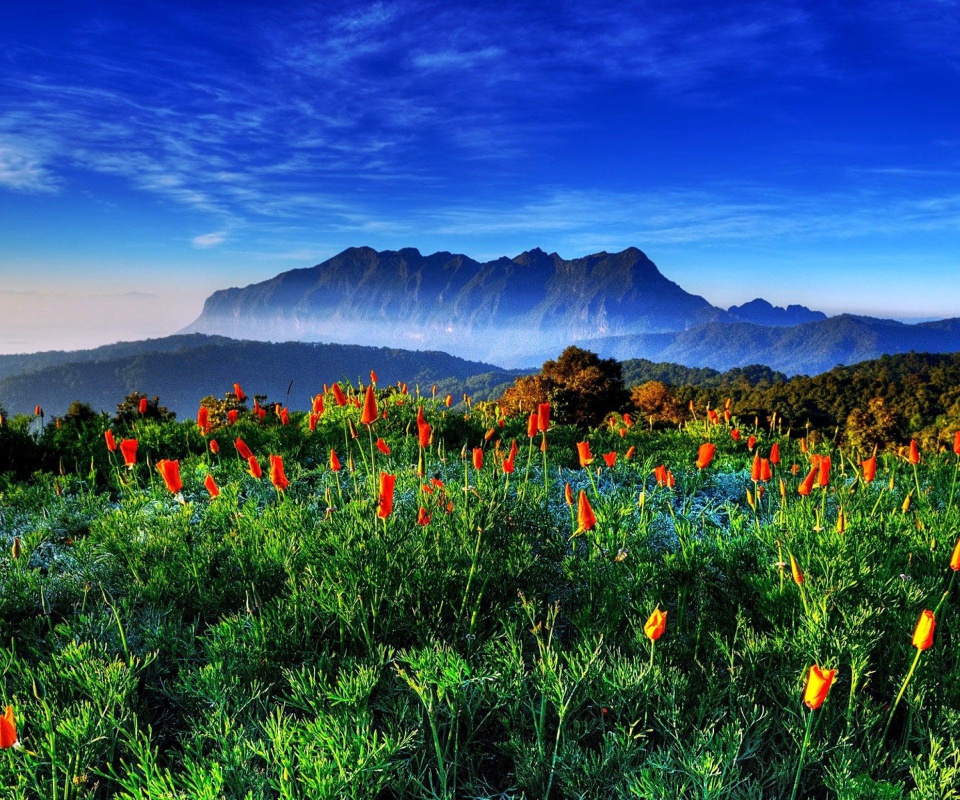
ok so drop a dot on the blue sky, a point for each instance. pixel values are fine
(153, 152)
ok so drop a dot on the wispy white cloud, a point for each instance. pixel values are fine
(23, 169)
(208, 240)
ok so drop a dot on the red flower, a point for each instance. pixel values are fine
(628, 420)
(543, 416)
(238, 393)
(583, 451)
(775, 453)
(423, 434)
(277, 476)
(751, 443)
(284, 416)
(203, 418)
(586, 519)
(660, 474)
(956, 443)
(170, 472)
(385, 506)
(370, 413)
(338, 395)
(111, 442)
(255, 468)
(705, 454)
(824, 471)
(8, 729)
(610, 458)
(532, 425)
(449, 401)
(477, 457)
(755, 468)
(334, 461)
(508, 462)
(735, 434)
(869, 467)
(383, 447)
(245, 452)
(630, 451)
(128, 449)
(312, 421)
(211, 485)
(568, 495)
(423, 518)
(373, 377)
(712, 415)
(143, 405)
(214, 446)
(317, 407)
(232, 416)
(914, 455)
(806, 485)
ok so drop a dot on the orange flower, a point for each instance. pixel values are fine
(370, 414)
(755, 468)
(284, 416)
(423, 434)
(477, 457)
(806, 485)
(334, 461)
(797, 574)
(705, 454)
(775, 453)
(610, 458)
(818, 686)
(203, 418)
(628, 420)
(128, 449)
(373, 377)
(568, 495)
(383, 447)
(824, 471)
(914, 454)
(586, 519)
(423, 518)
(630, 451)
(312, 420)
(338, 395)
(317, 404)
(143, 405)
(385, 506)
(735, 434)
(242, 449)
(955, 558)
(111, 442)
(532, 421)
(255, 469)
(803, 444)
(211, 485)
(751, 443)
(583, 450)
(543, 416)
(509, 461)
(956, 443)
(660, 473)
(489, 434)
(765, 472)
(712, 415)
(869, 466)
(232, 416)
(238, 393)
(923, 633)
(448, 401)
(656, 624)
(170, 471)
(277, 476)
(8, 729)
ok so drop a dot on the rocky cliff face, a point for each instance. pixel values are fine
(502, 311)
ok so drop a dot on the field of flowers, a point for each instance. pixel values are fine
(394, 596)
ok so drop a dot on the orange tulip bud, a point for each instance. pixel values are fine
(387, 484)
(254, 467)
(277, 476)
(705, 454)
(869, 467)
(383, 447)
(923, 633)
(818, 686)
(8, 729)
(334, 461)
(543, 417)
(955, 558)
(128, 449)
(170, 472)
(583, 451)
(656, 624)
(111, 442)
(797, 574)
(370, 413)
(610, 458)
(211, 486)
(586, 519)
(245, 453)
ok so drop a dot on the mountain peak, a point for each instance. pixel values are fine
(762, 312)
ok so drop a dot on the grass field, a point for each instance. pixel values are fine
(476, 630)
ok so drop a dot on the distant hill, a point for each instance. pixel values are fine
(761, 312)
(182, 370)
(507, 311)
(811, 348)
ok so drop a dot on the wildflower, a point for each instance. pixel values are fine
(532, 425)
(8, 730)
(370, 414)
(568, 498)
(869, 467)
(923, 633)
(775, 453)
(238, 393)
(509, 461)
(823, 472)
(955, 558)
(489, 434)
(841, 525)
(284, 416)
(913, 455)
(373, 377)
(385, 506)
(818, 686)
(583, 450)
(956, 443)
(383, 447)
(630, 451)
(242, 449)
(806, 485)
(312, 420)
(610, 458)
(143, 406)
(338, 395)
(586, 519)
(660, 474)
(15, 548)
(449, 401)
(203, 418)
(628, 420)
(211, 485)
(735, 434)
(423, 518)
(755, 468)
(128, 449)
(334, 461)
(255, 469)
(751, 443)
(232, 416)
(277, 476)
(543, 417)
(423, 434)
(477, 457)
(170, 471)
(656, 624)
(712, 415)
(317, 407)
(765, 472)
(797, 574)
(705, 454)
(111, 442)
(803, 444)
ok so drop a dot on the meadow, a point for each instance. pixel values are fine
(394, 596)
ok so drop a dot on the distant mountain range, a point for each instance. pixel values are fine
(518, 312)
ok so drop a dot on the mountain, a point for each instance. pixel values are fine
(811, 348)
(506, 311)
(761, 312)
(182, 370)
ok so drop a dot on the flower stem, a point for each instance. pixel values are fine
(803, 755)
(903, 688)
